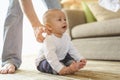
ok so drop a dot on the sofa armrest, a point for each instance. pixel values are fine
(74, 17)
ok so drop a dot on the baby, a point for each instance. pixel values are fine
(58, 55)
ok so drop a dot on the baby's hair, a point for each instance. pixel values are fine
(48, 15)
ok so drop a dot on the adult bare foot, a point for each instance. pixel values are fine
(7, 69)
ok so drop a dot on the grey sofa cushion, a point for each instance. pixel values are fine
(97, 29)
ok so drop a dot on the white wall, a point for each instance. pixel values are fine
(30, 45)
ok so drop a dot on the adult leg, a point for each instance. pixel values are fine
(50, 4)
(11, 55)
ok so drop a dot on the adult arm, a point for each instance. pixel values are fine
(28, 9)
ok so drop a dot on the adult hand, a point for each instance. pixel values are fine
(38, 33)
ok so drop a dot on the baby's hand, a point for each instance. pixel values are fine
(82, 63)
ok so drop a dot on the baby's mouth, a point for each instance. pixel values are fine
(64, 26)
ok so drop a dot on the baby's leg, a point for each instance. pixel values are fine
(67, 60)
(44, 66)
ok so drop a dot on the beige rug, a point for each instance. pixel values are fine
(94, 70)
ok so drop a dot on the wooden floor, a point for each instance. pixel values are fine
(94, 70)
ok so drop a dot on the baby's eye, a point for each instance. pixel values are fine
(59, 19)
(64, 19)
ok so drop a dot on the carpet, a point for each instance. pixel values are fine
(94, 70)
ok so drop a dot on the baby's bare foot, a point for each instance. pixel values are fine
(7, 69)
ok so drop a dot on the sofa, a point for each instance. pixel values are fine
(100, 39)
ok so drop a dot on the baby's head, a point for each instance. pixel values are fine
(55, 21)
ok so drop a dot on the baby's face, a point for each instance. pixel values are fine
(58, 23)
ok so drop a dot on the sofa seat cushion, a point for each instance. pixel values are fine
(97, 29)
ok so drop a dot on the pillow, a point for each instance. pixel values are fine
(101, 13)
(88, 14)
